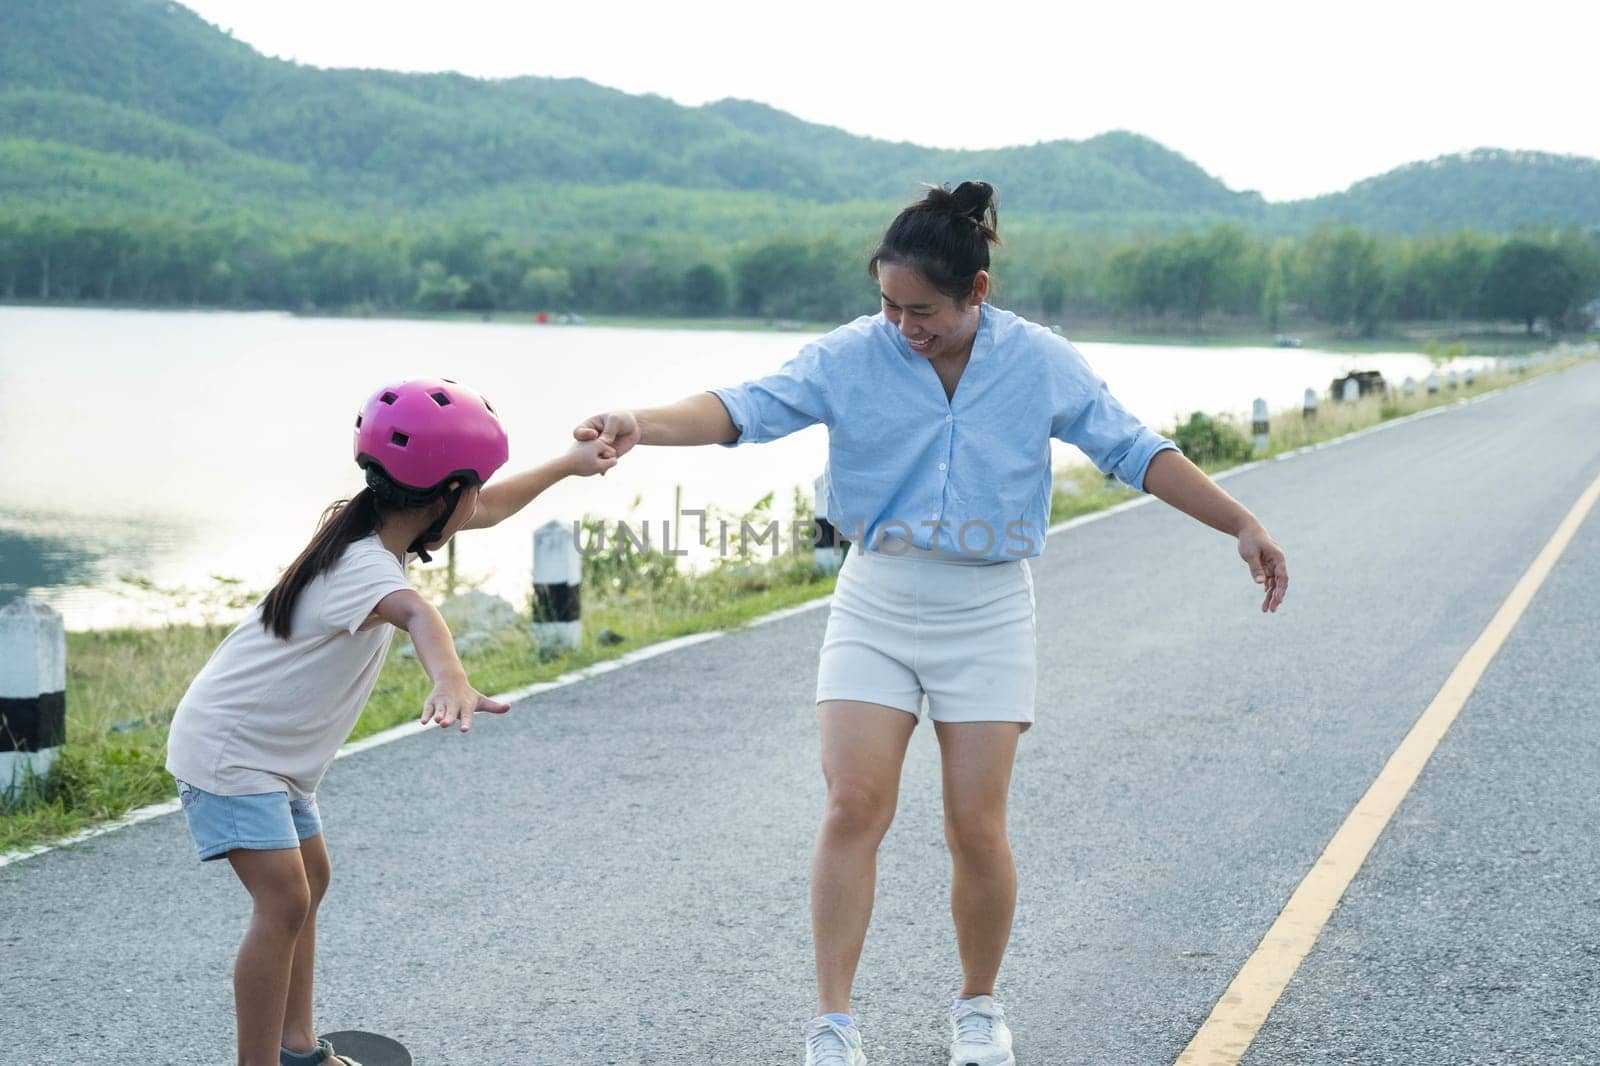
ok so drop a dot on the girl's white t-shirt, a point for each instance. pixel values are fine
(268, 715)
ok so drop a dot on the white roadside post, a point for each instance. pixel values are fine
(827, 554)
(1469, 377)
(33, 692)
(1433, 382)
(1453, 381)
(1308, 408)
(1352, 390)
(1259, 425)
(1409, 386)
(557, 584)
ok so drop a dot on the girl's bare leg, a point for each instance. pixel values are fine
(276, 881)
(299, 1030)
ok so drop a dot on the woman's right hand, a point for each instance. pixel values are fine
(619, 429)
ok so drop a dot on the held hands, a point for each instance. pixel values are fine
(1267, 567)
(457, 699)
(593, 456)
(618, 430)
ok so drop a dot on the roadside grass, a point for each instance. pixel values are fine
(123, 684)
(1081, 489)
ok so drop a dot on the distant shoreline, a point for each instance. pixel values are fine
(1316, 337)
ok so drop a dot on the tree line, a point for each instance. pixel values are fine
(1347, 278)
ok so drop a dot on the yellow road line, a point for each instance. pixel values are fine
(1243, 1008)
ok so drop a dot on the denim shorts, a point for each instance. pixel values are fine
(265, 821)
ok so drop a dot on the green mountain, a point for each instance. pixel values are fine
(115, 106)
(207, 121)
(1489, 189)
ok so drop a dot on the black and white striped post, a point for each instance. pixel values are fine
(33, 692)
(827, 554)
(1259, 424)
(557, 587)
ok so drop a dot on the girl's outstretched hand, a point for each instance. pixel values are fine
(591, 457)
(619, 429)
(1267, 567)
(456, 699)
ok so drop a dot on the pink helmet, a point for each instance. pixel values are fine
(422, 432)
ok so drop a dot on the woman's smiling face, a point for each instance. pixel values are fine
(932, 323)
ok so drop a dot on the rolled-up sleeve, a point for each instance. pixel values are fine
(781, 403)
(1087, 415)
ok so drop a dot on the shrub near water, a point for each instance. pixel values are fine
(1212, 440)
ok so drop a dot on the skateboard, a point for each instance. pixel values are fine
(369, 1049)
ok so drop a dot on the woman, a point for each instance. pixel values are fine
(940, 411)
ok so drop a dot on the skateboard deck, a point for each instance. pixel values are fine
(369, 1049)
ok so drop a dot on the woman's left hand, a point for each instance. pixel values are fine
(1267, 567)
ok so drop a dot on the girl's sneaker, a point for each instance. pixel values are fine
(981, 1035)
(830, 1044)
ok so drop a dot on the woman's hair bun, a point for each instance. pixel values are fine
(945, 236)
(975, 199)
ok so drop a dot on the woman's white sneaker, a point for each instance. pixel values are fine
(830, 1044)
(981, 1036)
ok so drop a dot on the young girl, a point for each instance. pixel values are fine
(261, 723)
(940, 410)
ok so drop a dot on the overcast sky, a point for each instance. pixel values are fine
(1291, 99)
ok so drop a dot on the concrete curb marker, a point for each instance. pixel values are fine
(33, 691)
(557, 588)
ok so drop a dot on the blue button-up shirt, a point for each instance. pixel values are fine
(967, 476)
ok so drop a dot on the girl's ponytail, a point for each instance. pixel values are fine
(341, 525)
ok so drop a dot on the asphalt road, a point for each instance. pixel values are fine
(616, 872)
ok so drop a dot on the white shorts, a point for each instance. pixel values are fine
(959, 632)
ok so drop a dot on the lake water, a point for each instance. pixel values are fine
(169, 447)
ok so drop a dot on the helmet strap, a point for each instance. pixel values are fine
(452, 499)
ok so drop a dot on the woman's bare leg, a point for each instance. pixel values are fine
(863, 747)
(977, 759)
